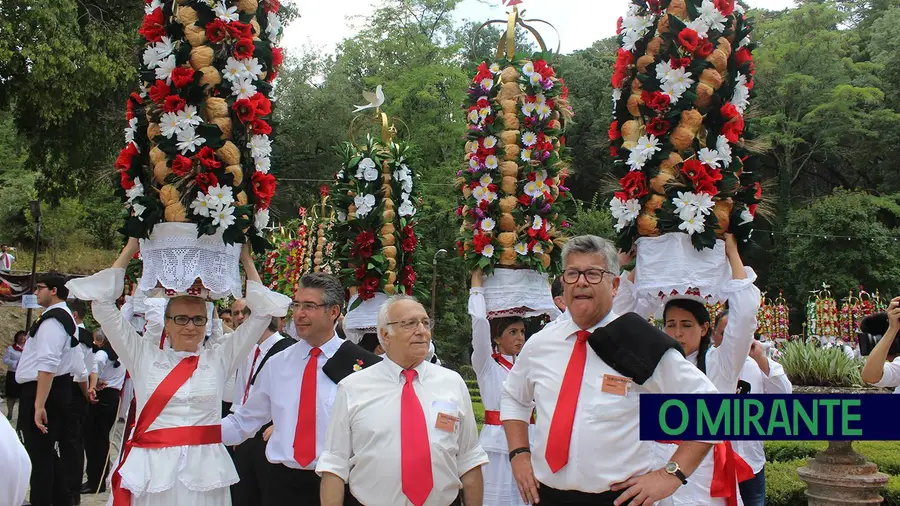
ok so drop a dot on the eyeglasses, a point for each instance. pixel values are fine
(413, 324)
(182, 320)
(306, 306)
(593, 276)
(39, 287)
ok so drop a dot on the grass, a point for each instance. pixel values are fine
(76, 258)
(808, 365)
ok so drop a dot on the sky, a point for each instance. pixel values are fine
(580, 22)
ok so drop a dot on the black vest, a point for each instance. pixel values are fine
(630, 345)
(62, 316)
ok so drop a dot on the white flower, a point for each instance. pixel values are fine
(138, 210)
(724, 149)
(488, 224)
(188, 117)
(529, 138)
(189, 140)
(474, 163)
(169, 124)
(712, 16)
(487, 83)
(260, 146)
(543, 111)
(709, 157)
(225, 13)
(489, 142)
(662, 70)
(495, 68)
(407, 208)
(537, 249)
(252, 66)
(537, 223)
(165, 67)
(683, 200)
(485, 180)
(273, 28)
(690, 205)
(473, 116)
(200, 205)
(341, 216)
(491, 161)
(746, 217)
(741, 97)
(629, 39)
(264, 163)
(490, 196)
(151, 57)
(364, 204)
(129, 131)
(745, 40)
(488, 250)
(701, 26)
(528, 68)
(367, 170)
(224, 217)
(616, 96)
(234, 69)
(521, 248)
(704, 203)
(261, 219)
(219, 196)
(635, 160)
(152, 6)
(532, 190)
(478, 192)
(135, 191)
(525, 155)
(694, 224)
(673, 90)
(624, 212)
(528, 108)
(242, 87)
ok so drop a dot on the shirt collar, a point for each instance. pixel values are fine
(572, 327)
(269, 342)
(394, 371)
(61, 304)
(328, 349)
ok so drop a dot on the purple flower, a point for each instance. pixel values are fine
(480, 214)
(459, 173)
(565, 224)
(545, 209)
(563, 188)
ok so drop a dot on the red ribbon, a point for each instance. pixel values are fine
(500, 359)
(493, 417)
(163, 438)
(729, 469)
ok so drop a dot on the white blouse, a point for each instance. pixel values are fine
(196, 403)
(11, 358)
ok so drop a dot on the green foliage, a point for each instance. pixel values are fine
(783, 485)
(808, 365)
(593, 219)
(782, 451)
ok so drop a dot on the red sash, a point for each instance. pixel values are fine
(163, 438)
(500, 359)
(493, 417)
(729, 469)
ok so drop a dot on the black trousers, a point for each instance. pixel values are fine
(291, 486)
(554, 497)
(71, 448)
(101, 418)
(254, 470)
(349, 500)
(48, 481)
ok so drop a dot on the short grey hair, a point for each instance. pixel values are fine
(592, 245)
(385, 309)
(332, 289)
(98, 333)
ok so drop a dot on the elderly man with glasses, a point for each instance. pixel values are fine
(295, 392)
(402, 432)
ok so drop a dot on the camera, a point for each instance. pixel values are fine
(871, 330)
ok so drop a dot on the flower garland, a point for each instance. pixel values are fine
(681, 83)
(514, 204)
(375, 201)
(198, 140)
(321, 256)
(281, 267)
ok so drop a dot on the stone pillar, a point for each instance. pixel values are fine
(840, 476)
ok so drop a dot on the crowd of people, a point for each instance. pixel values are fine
(240, 407)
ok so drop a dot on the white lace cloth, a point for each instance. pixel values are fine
(198, 402)
(175, 257)
(364, 317)
(507, 289)
(671, 263)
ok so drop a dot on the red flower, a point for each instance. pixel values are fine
(758, 193)
(694, 170)
(207, 158)
(272, 6)
(726, 7)
(153, 28)
(733, 130)
(525, 200)
(216, 31)
(677, 63)
(619, 25)
(729, 111)
(409, 243)
(541, 67)
(174, 103)
(264, 188)
(245, 110)
(479, 241)
(614, 133)
(182, 166)
(277, 57)
(408, 278)
(460, 248)
(689, 39)
(263, 104)
(752, 209)
(368, 287)
(656, 100)
(658, 127)
(260, 127)
(634, 184)
(364, 245)
(240, 30)
(704, 49)
(182, 76)
(484, 72)
(654, 6)
(624, 59)
(613, 151)
(714, 174)
(243, 49)
(126, 181)
(742, 56)
(123, 161)
(206, 179)
(360, 272)
(706, 185)
(324, 190)
(159, 92)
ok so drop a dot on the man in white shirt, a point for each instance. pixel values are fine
(6, 258)
(106, 381)
(402, 432)
(760, 375)
(71, 449)
(294, 393)
(250, 456)
(45, 375)
(586, 446)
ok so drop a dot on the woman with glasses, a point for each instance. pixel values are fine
(687, 321)
(495, 344)
(175, 454)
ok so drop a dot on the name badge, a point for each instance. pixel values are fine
(616, 385)
(446, 423)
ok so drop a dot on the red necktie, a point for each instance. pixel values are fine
(305, 435)
(560, 436)
(415, 449)
(250, 376)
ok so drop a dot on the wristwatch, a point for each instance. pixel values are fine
(675, 470)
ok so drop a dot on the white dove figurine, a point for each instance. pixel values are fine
(375, 99)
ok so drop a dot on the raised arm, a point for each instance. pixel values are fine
(481, 327)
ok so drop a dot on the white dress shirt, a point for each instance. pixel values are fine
(363, 443)
(16, 466)
(6, 261)
(891, 376)
(776, 382)
(275, 397)
(248, 368)
(11, 358)
(82, 360)
(48, 351)
(106, 372)
(605, 424)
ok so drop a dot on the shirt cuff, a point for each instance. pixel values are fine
(265, 302)
(512, 410)
(105, 285)
(737, 285)
(230, 436)
(470, 460)
(334, 464)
